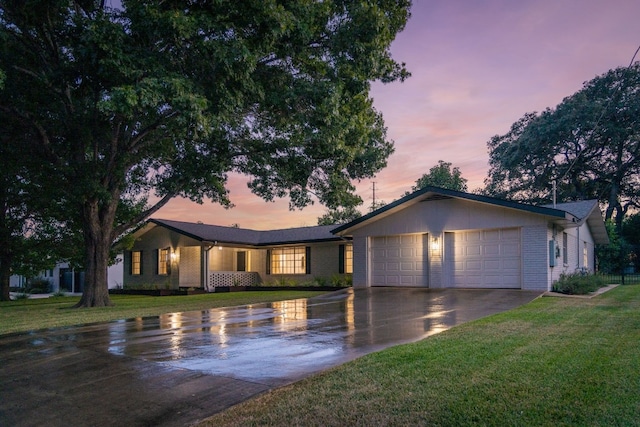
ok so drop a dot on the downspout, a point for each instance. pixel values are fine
(204, 264)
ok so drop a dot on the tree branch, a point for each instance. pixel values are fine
(145, 214)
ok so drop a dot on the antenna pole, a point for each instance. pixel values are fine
(554, 193)
(373, 204)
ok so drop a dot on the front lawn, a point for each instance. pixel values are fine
(29, 314)
(553, 362)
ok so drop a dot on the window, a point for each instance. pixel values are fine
(348, 259)
(163, 261)
(585, 255)
(565, 249)
(345, 263)
(291, 260)
(136, 263)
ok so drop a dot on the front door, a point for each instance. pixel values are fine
(241, 261)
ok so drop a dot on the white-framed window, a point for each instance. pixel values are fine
(565, 248)
(136, 263)
(348, 259)
(585, 255)
(289, 260)
(163, 261)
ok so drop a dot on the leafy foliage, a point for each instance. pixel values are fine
(578, 283)
(589, 144)
(128, 108)
(614, 257)
(443, 176)
(339, 216)
(631, 234)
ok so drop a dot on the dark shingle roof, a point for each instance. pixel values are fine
(243, 236)
(580, 209)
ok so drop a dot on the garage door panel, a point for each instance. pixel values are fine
(485, 259)
(472, 250)
(491, 249)
(398, 261)
(472, 265)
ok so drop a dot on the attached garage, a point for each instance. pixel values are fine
(443, 238)
(484, 258)
(399, 260)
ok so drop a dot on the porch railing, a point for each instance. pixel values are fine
(232, 278)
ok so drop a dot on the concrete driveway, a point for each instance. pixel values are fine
(175, 369)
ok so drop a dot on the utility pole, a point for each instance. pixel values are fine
(373, 204)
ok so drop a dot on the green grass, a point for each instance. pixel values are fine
(553, 362)
(29, 314)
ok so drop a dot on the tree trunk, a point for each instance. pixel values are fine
(98, 238)
(5, 276)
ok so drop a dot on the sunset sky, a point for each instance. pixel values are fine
(477, 66)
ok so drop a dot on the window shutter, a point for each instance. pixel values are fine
(341, 259)
(141, 264)
(308, 259)
(268, 261)
(157, 261)
(130, 262)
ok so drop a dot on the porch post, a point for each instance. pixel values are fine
(204, 264)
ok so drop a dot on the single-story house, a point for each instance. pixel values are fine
(443, 238)
(174, 254)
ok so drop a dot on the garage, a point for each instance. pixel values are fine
(484, 258)
(399, 260)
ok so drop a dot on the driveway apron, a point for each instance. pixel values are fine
(175, 369)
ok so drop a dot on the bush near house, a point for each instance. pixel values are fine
(578, 283)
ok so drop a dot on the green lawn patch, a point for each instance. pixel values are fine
(553, 362)
(30, 314)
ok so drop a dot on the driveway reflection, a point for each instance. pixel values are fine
(287, 340)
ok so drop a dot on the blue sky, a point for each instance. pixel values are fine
(477, 66)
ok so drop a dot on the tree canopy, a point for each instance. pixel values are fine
(339, 216)
(159, 99)
(443, 176)
(589, 144)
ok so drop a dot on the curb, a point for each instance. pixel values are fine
(588, 296)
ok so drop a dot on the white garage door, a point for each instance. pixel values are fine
(399, 261)
(484, 259)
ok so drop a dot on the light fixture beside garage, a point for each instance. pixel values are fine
(435, 244)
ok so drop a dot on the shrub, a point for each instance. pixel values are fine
(39, 286)
(342, 280)
(578, 283)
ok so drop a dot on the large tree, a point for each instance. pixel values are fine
(158, 99)
(443, 176)
(31, 238)
(589, 145)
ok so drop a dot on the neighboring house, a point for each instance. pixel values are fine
(441, 238)
(173, 254)
(64, 278)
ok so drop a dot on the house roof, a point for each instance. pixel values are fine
(244, 236)
(566, 214)
(589, 211)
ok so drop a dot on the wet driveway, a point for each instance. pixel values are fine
(178, 368)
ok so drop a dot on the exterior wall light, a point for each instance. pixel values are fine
(435, 244)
